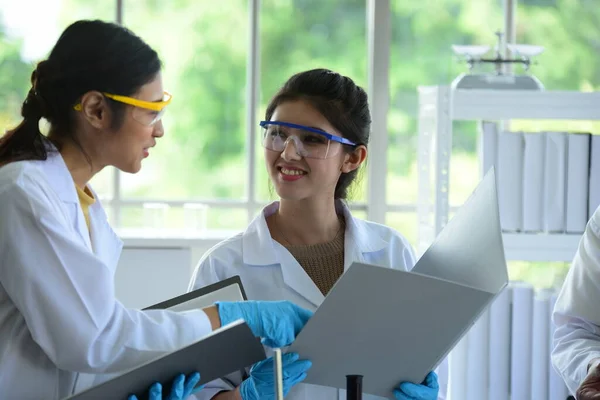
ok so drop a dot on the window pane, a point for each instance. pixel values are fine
(569, 33)
(109, 214)
(405, 223)
(103, 183)
(422, 55)
(26, 40)
(189, 220)
(299, 35)
(539, 274)
(360, 214)
(227, 219)
(265, 191)
(202, 154)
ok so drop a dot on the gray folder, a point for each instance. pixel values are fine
(392, 325)
(225, 350)
(228, 349)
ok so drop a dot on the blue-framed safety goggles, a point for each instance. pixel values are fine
(309, 142)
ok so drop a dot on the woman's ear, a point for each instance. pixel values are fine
(94, 109)
(354, 159)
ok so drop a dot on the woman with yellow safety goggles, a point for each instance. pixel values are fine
(61, 326)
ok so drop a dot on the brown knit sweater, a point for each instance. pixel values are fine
(324, 263)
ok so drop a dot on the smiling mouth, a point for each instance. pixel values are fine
(291, 172)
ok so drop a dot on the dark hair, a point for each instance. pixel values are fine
(89, 55)
(343, 103)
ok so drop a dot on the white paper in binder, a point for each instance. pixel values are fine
(594, 186)
(555, 182)
(578, 167)
(540, 356)
(533, 182)
(457, 375)
(510, 180)
(499, 371)
(520, 355)
(489, 146)
(557, 390)
(477, 358)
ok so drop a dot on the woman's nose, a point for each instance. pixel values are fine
(159, 129)
(290, 150)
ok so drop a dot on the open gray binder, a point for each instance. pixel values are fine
(228, 349)
(393, 325)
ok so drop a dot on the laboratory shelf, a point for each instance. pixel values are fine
(440, 106)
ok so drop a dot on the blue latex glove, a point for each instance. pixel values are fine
(182, 388)
(276, 322)
(428, 390)
(261, 383)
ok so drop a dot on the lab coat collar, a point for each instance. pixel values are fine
(360, 238)
(58, 175)
(364, 238)
(257, 245)
(259, 248)
(103, 242)
(61, 180)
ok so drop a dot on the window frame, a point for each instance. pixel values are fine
(378, 57)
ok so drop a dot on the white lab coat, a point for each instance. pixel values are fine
(577, 310)
(59, 320)
(269, 272)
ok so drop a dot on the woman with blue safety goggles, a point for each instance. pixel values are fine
(315, 136)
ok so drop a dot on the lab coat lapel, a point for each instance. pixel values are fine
(105, 242)
(359, 238)
(60, 179)
(259, 249)
(296, 277)
(352, 253)
(81, 226)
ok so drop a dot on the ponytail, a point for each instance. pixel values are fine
(26, 142)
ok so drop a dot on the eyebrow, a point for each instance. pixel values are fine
(284, 128)
(316, 128)
(286, 125)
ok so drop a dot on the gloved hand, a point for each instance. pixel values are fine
(590, 387)
(276, 322)
(182, 388)
(261, 383)
(428, 390)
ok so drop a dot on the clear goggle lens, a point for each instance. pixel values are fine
(308, 142)
(147, 117)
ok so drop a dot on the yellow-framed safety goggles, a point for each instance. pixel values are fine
(150, 111)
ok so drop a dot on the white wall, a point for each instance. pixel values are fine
(153, 270)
